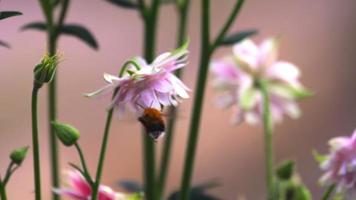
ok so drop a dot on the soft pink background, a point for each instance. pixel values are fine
(318, 35)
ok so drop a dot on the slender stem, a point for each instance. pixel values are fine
(102, 154)
(3, 192)
(149, 15)
(168, 143)
(268, 132)
(207, 50)
(82, 159)
(35, 145)
(328, 192)
(228, 23)
(9, 172)
(198, 101)
(52, 113)
(53, 31)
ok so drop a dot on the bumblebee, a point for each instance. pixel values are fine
(152, 121)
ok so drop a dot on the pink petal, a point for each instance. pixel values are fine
(79, 184)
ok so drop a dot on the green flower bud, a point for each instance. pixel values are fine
(66, 133)
(18, 155)
(285, 170)
(45, 70)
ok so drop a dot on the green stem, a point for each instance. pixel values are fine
(82, 160)
(206, 51)
(268, 132)
(227, 25)
(168, 143)
(3, 191)
(102, 154)
(150, 21)
(328, 192)
(198, 101)
(35, 145)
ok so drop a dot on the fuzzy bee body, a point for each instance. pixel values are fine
(153, 122)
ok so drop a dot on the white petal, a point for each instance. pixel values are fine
(268, 52)
(284, 71)
(110, 78)
(246, 53)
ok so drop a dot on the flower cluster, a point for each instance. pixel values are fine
(340, 165)
(80, 189)
(142, 85)
(238, 77)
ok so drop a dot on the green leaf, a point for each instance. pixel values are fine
(237, 37)
(131, 186)
(124, 3)
(319, 158)
(40, 26)
(4, 44)
(285, 170)
(74, 30)
(198, 192)
(7, 14)
(81, 33)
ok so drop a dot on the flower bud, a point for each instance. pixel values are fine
(45, 70)
(285, 170)
(66, 133)
(18, 155)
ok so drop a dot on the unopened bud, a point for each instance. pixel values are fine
(45, 70)
(66, 133)
(18, 155)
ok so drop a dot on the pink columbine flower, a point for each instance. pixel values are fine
(81, 190)
(236, 76)
(340, 165)
(146, 85)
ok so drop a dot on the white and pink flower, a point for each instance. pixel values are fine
(81, 190)
(144, 85)
(340, 165)
(237, 77)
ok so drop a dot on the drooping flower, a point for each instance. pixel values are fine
(144, 85)
(340, 165)
(80, 189)
(238, 76)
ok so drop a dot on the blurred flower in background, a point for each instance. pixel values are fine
(238, 78)
(340, 164)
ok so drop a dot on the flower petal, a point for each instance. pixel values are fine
(268, 52)
(246, 53)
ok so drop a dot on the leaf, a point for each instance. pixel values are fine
(75, 30)
(40, 26)
(237, 37)
(81, 33)
(135, 196)
(124, 4)
(7, 14)
(285, 170)
(4, 44)
(198, 192)
(131, 186)
(319, 158)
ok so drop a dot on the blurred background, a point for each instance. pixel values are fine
(319, 36)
